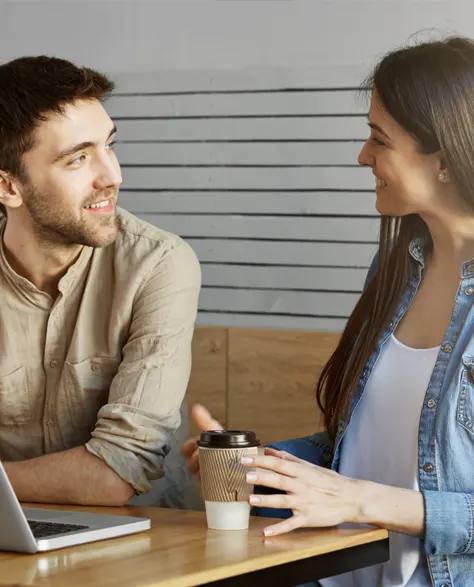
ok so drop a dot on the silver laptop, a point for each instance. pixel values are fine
(38, 530)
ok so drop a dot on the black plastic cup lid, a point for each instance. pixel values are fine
(228, 439)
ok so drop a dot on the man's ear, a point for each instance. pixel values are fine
(10, 193)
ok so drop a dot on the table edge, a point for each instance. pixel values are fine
(252, 565)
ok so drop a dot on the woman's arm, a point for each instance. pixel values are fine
(320, 497)
(400, 510)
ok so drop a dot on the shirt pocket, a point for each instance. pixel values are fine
(15, 400)
(87, 388)
(465, 408)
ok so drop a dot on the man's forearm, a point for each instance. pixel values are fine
(69, 477)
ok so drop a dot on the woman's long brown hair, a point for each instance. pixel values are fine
(428, 89)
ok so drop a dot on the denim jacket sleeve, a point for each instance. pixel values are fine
(317, 449)
(449, 522)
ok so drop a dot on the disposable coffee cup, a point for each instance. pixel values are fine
(223, 478)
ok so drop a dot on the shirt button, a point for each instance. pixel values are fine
(447, 348)
(95, 367)
(428, 467)
(469, 291)
(470, 268)
(53, 364)
(431, 403)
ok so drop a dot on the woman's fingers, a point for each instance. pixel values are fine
(286, 467)
(282, 454)
(272, 480)
(296, 521)
(274, 501)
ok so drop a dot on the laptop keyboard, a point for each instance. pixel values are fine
(46, 529)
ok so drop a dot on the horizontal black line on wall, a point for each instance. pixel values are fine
(234, 165)
(290, 289)
(211, 141)
(244, 190)
(276, 314)
(253, 214)
(240, 190)
(239, 116)
(282, 265)
(274, 240)
(248, 91)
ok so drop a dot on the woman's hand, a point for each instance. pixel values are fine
(320, 497)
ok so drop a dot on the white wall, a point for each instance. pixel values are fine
(263, 184)
(137, 35)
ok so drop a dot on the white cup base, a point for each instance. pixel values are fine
(225, 515)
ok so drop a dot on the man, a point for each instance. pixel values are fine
(98, 307)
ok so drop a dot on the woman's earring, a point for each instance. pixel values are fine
(443, 176)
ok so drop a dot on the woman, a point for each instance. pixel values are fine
(398, 392)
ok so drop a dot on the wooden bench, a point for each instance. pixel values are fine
(262, 380)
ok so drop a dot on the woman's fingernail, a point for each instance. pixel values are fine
(254, 499)
(251, 477)
(268, 532)
(246, 460)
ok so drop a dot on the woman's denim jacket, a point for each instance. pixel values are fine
(446, 436)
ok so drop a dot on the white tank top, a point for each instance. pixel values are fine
(381, 445)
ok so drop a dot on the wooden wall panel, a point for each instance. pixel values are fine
(273, 321)
(142, 177)
(272, 381)
(338, 128)
(304, 254)
(273, 228)
(192, 105)
(279, 203)
(240, 154)
(208, 383)
(276, 302)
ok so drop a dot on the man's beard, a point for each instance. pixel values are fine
(56, 226)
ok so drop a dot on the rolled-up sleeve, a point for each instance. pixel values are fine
(133, 429)
(449, 522)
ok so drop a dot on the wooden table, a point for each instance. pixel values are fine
(179, 551)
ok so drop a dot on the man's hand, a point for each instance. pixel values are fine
(204, 421)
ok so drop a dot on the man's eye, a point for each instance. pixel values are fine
(111, 145)
(77, 160)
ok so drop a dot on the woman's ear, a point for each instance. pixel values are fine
(442, 169)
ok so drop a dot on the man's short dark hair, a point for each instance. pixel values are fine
(31, 88)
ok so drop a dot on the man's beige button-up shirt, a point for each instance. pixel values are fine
(107, 363)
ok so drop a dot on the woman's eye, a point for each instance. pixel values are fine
(111, 145)
(377, 141)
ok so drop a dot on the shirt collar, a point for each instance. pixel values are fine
(28, 288)
(417, 248)
(417, 251)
